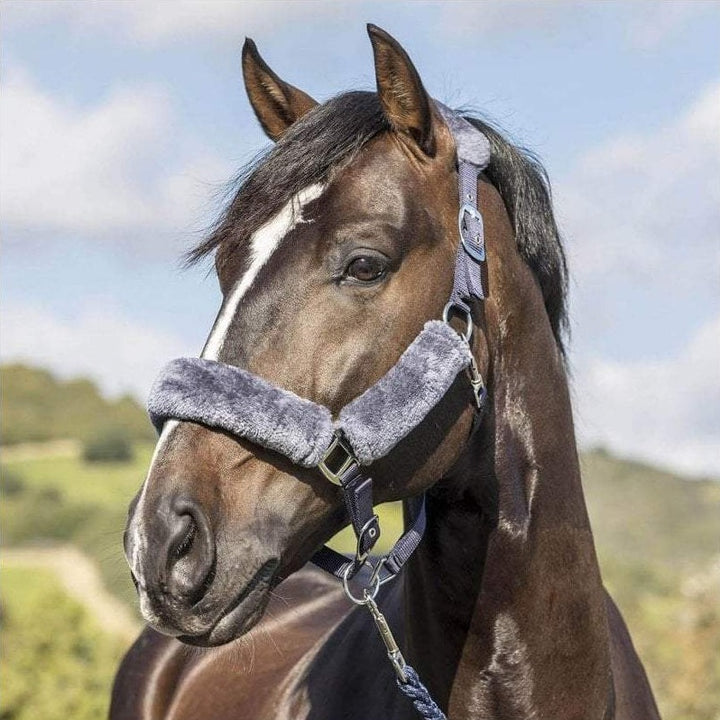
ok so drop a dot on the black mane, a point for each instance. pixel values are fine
(330, 135)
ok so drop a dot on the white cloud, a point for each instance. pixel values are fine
(642, 216)
(663, 411)
(156, 22)
(99, 171)
(654, 22)
(122, 355)
(642, 203)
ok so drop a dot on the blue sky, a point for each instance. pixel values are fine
(121, 122)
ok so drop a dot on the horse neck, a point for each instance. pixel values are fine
(504, 596)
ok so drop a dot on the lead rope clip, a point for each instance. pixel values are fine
(477, 383)
(393, 651)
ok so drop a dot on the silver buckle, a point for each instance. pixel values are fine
(475, 252)
(447, 312)
(340, 457)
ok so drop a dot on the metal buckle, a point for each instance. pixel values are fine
(337, 460)
(476, 252)
(372, 529)
(467, 335)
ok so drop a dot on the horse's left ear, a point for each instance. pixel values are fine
(277, 104)
(406, 104)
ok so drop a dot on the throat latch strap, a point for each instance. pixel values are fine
(341, 467)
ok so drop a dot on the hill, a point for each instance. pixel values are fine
(36, 406)
(646, 515)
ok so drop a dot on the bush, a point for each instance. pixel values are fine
(57, 663)
(110, 445)
(13, 483)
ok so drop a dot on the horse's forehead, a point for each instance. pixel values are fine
(381, 167)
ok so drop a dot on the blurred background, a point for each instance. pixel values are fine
(120, 125)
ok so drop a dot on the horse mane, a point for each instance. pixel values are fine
(523, 183)
(331, 134)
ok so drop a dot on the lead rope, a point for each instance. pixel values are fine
(406, 676)
(420, 697)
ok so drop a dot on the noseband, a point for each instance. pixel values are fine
(235, 400)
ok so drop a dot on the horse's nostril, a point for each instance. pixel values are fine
(190, 551)
(186, 541)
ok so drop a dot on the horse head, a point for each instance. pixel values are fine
(337, 248)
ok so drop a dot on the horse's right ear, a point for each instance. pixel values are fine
(277, 104)
(406, 104)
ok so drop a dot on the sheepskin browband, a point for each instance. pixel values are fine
(232, 399)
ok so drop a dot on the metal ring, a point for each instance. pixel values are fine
(376, 577)
(467, 335)
(366, 593)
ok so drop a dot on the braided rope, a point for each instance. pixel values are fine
(419, 695)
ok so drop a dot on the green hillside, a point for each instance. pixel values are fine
(643, 514)
(36, 407)
(658, 541)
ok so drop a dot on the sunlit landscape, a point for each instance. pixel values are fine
(656, 536)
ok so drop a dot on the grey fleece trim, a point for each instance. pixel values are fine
(471, 145)
(385, 413)
(232, 399)
(235, 400)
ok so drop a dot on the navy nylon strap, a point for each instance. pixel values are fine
(473, 152)
(467, 284)
(339, 565)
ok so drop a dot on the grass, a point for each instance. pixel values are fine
(648, 516)
(106, 485)
(69, 500)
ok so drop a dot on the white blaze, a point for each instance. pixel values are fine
(263, 243)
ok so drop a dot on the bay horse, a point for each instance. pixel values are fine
(337, 248)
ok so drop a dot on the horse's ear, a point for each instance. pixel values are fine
(405, 102)
(277, 104)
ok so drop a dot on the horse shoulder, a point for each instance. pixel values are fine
(260, 675)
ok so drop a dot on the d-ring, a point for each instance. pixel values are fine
(467, 335)
(369, 592)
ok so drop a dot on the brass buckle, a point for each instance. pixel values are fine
(337, 460)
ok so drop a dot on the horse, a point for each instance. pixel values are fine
(336, 248)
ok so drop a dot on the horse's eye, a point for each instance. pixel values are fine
(365, 268)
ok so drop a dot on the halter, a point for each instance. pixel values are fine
(235, 400)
